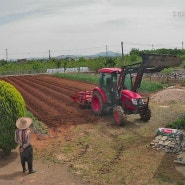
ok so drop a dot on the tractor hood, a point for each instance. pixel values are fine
(130, 94)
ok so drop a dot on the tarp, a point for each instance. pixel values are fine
(68, 70)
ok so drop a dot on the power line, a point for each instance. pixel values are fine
(93, 49)
(167, 44)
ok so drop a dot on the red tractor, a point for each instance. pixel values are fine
(117, 88)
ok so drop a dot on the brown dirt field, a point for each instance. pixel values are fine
(48, 98)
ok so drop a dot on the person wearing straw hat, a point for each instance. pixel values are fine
(22, 138)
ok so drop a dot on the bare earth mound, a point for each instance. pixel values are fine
(169, 95)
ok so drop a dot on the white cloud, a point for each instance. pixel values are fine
(35, 26)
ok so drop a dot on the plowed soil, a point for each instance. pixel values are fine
(48, 98)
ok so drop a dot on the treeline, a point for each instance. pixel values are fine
(41, 65)
(176, 52)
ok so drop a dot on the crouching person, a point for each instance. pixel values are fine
(22, 137)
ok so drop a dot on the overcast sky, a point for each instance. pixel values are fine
(30, 28)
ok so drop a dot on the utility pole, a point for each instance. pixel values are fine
(182, 45)
(122, 50)
(106, 52)
(7, 55)
(152, 47)
(49, 55)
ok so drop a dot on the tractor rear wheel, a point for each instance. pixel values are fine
(146, 115)
(119, 115)
(97, 104)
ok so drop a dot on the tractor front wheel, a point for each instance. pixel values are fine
(97, 104)
(119, 115)
(146, 115)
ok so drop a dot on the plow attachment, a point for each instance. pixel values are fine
(159, 62)
(83, 98)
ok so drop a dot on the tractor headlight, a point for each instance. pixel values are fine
(134, 101)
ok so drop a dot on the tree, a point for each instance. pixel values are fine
(110, 62)
(135, 51)
(3, 62)
(96, 64)
(36, 66)
(58, 63)
(12, 106)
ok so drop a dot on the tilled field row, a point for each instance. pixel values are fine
(48, 98)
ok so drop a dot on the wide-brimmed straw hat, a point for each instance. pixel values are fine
(23, 122)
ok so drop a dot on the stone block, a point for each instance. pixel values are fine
(158, 137)
(171, 145)
(166, 143)
(161, 142)
(164, 138)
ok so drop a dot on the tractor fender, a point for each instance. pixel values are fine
(102, 93)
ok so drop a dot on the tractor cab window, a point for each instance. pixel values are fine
(105, 81)
(115, 77)
(128, 83)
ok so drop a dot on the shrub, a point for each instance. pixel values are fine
(12, 106)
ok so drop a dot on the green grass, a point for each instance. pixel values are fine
(79, 77)
(146, 86)
(178, 124)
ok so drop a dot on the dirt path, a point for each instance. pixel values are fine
(47, 173)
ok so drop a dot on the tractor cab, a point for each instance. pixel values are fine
(108, 81)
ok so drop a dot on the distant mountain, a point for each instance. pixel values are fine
(108, 54)
(68, 56)
(101, 54)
